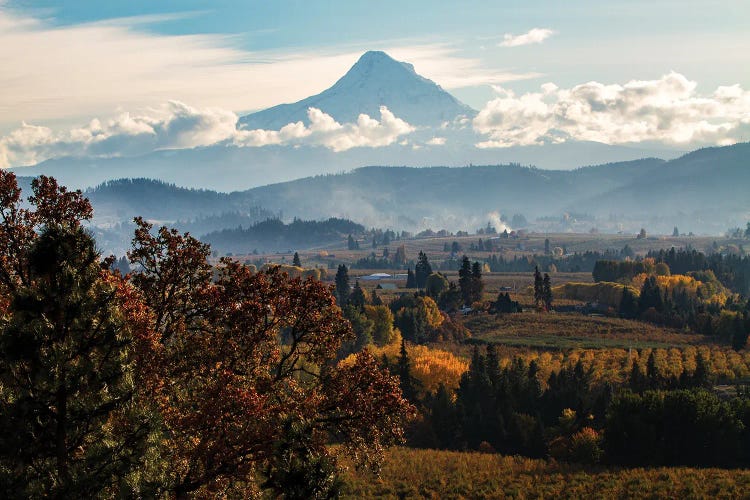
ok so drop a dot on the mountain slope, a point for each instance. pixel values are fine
(375, 80)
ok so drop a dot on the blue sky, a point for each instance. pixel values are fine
(69, 62)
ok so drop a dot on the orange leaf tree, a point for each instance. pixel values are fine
(250, 391)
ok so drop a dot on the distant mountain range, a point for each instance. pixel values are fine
(704, 191)
(375, 80)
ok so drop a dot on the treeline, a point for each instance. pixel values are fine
(572, 417)
(696, 300)
(733, 271)
(575, 263)
(275, 235)
(208, 223)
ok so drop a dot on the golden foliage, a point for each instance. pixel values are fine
(602, 292)
(409, 473)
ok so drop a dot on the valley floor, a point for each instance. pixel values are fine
(410, 473)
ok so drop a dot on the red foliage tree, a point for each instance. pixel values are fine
(248, 369)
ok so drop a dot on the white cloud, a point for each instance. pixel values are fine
(325, 131)
(668, 110)
(535, 35)
(177, 125)
(436, 141)
(173, 125)
(68, 73)
(440, 63)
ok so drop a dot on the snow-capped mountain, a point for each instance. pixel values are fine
(375, 80)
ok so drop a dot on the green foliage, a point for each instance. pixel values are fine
(436, 284)
(382, 320)
(684, 427)
(342, 285)
(422, 270)
(70, 422)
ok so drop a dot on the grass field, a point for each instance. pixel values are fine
(409, 473)
(574, 330)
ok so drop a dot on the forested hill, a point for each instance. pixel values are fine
(703, 191)
(709, 184)
(124, 199)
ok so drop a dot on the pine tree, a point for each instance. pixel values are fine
(650, 296)
(357, 298)
(538, 288)
(296, 261)
(465, 281)
(422, 270)
(342, 285)
(351, 243)
(411, 280)
(628, 304)
(477, 286)
(404, 373)
(66, 375)
(547, 292)
(740, 334)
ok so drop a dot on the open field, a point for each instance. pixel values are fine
(411, 473)
(574, 330)
(529, 244)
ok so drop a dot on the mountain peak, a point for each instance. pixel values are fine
(375, 80)
(378, 58)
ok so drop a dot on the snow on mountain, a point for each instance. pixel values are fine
(375, 80)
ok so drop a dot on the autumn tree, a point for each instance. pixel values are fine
(435, 285)
(247, 357)
(72, 423)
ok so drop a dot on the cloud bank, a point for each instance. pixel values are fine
(535, 35)
(69, 73)
(668, 110)
(176, 125)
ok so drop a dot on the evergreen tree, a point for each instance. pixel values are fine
(411, 280)
(650, 296)
(538, 288)
(342, 285)
(351, 243)
(66, 375)
(547, 292)
(702, 375)
(653, 374)
(477, 286)
(296, 261)
(465, 282)
(422, 270)
(404, 374)
(546, 247)
(628, 304)
(358, 298)
(740, 334)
